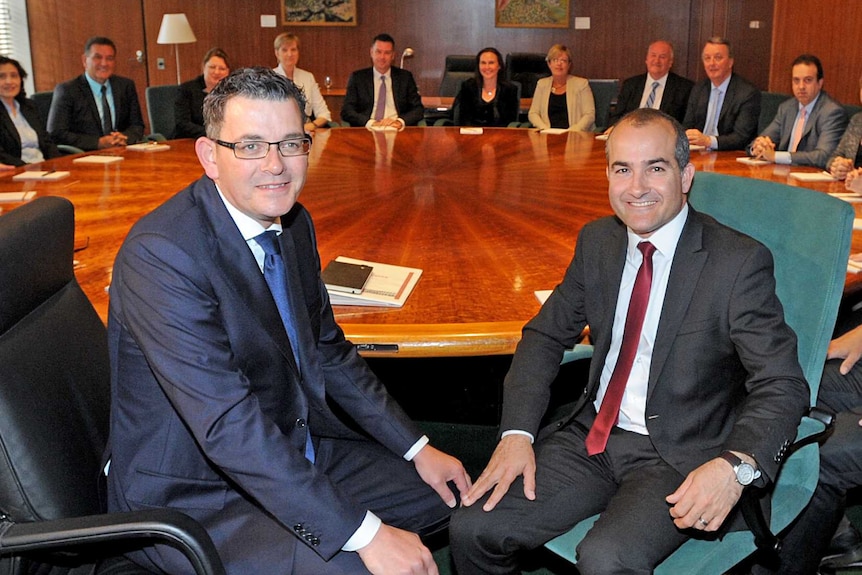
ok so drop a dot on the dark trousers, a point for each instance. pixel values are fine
(627, 484)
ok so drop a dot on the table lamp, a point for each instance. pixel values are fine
(175, 30)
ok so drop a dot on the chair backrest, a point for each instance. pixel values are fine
(769, 102)
(604, 92)
(54, 375)
(526, 68)
(459, 67)
(160, 109)
(852, 109)
(43, 104)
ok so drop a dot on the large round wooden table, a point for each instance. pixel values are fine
(490, 219)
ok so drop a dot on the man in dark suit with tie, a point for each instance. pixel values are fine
(724, 108)
(98, 109)
(694, 391)
(393, 102)
(806, 129)
(658, 88)
(236, 398)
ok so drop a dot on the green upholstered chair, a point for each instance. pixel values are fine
(161, 101)
(808, 233)
(769, 102)
(604, 92)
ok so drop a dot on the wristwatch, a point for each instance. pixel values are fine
(746, 473)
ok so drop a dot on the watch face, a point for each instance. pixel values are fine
(745, 474)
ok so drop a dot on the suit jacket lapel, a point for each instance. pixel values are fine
(9, 127)
(90, 98)
(684, 275)
(613, 260)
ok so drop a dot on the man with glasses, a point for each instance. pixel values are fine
(227, 362)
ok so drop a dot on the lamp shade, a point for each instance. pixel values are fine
(175, 29)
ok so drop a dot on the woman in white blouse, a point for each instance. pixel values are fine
(287, 52)
(23, 139)
(561, 100)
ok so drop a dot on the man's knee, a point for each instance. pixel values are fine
(601, 555)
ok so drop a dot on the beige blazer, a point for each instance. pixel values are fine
(579, 100)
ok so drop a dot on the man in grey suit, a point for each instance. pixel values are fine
(677, 417)
(723, 109)
(98, 109)
(806, 129)
(394, 105)
(658, 88)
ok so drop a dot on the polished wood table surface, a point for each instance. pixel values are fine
(489, 219)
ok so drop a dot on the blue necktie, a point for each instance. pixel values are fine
(276, 278)
(651, 98)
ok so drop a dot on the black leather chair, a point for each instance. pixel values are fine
(54, 411)
(604, 94)
(526, 68)
(161, 101)
(43, 104)
(458, 67)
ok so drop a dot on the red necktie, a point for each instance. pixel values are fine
(609, 412)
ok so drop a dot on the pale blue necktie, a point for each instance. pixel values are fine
(712, 125)
(651, 98)
(276, 278)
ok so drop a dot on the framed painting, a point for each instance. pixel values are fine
(532, 14)
(318, 12)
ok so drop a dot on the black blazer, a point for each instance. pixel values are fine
(359, 99)
(74, 117)
(10, 140)
(673, 101)
(189, 109)
(737, 123)
(472, 110)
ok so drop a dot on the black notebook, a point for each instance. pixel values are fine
(345, 277)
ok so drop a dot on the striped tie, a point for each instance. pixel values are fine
(650, 101)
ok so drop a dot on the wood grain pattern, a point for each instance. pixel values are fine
(490, 219)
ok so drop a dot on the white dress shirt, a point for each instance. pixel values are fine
(659, 91)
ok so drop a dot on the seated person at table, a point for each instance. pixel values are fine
(658, 88)
(561, 100)
(487, 100)
(287, 52)
(807, 127)
(382, 96)
(848, 154)
(188, 110)
(694, 373)
(97, 109)
(23, 140)
(723, 109)
(235, 396)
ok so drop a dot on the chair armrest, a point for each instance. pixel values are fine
(69, 149)
(155, 137)
(163, 525)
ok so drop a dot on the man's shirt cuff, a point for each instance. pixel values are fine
(518, 432)
(366, 532)
(417, 447)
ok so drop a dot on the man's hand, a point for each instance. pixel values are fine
(763, 148)
(847, 347)
(698, 138)
(437, 468)
(513, 456)
(389, 122)
(112, 139)
(706, 497)
(852, 175)
(394, 551)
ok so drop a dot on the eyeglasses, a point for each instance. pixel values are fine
(559, 60)
(255, 150)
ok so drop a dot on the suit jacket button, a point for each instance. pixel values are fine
(314, 541)
(297, 527)
(300, 422)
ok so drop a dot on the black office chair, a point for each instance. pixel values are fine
(526, 68)
(43, 104)
(604, 93)
(458, 67)
(161, 101)
(54, 411)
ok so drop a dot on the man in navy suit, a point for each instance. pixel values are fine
(723, 109)
(711, 389)
(246, 409)
(401, 104)
(807, 127)
(658, 88)
(98, 109)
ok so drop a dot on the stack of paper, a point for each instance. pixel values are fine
(148, 147)
(41, 176)
(16, 196)
(812, 176)
(388, 285)
(752, 161)
(97, 159)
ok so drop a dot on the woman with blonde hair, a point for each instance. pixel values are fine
(562, 100)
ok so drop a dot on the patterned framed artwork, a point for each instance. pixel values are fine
(318, 12)
(532, 14)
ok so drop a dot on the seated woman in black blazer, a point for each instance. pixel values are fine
(487, 100)
(23, 139)
(189, 107)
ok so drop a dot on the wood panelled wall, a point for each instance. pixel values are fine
(613, 47)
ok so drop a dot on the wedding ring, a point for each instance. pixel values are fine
(703, 521)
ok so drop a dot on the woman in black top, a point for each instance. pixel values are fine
(23, 139)
(487, 100)
(188, 109)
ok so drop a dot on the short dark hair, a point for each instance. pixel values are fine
(809, 59)
(500, 73)
(383, 38)
(100, 41)
(643, 117)
(256, 83)
(21, 72)
(217, 53)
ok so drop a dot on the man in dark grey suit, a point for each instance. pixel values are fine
(807, 127)
(724, 108)
(98, 109)
(401, 104)
(697, 404)
(235, 396)
(658, 88)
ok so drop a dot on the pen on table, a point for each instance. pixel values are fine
(48, 173)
